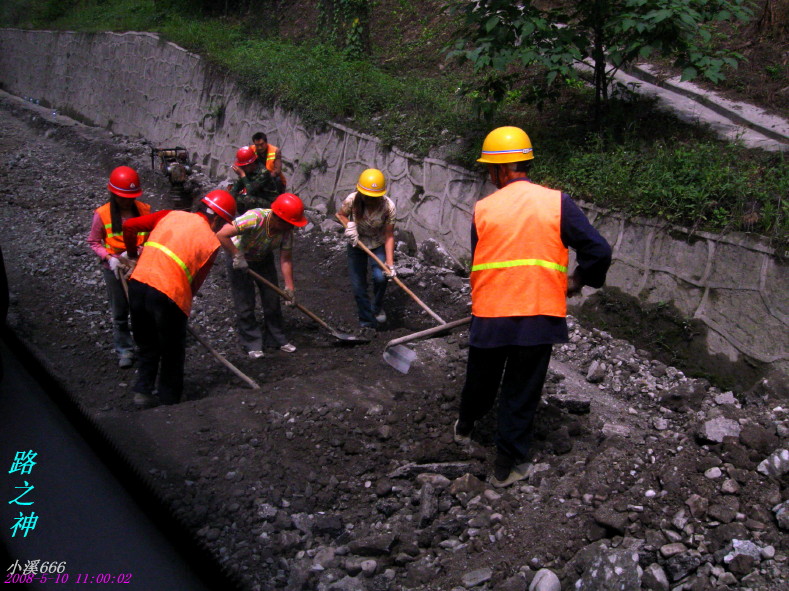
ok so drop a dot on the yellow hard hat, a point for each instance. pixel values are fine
(506, 144)
(372, 183)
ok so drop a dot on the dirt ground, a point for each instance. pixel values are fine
(341, 473)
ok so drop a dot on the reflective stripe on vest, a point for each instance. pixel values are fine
(181, 244)
(270, 157)
(175, 257)
(520, 262)
(113, 241)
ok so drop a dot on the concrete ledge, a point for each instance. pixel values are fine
(138, 85)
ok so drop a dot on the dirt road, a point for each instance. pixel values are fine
(341, 473)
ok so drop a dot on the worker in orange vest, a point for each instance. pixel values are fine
(106, 240)
(272, 156)
(519, 285)
(175, 260)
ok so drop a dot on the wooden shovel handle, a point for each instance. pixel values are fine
(221, 359)
(396, 279)
(428, 332)
(285, 296)
(217, 355)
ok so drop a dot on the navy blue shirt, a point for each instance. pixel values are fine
(593, 257)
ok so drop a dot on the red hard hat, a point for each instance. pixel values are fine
(245, 156)
(221, 203)
(125, 182)
(290, 208)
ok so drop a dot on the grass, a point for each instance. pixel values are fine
(642, 162)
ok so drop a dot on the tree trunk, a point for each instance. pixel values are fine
(774, 18)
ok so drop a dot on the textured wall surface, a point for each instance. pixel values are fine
(139, 85)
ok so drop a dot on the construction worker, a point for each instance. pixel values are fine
(175, 260)
(255, 187)
(519, 285)
(250, 241)
(369, 216)
(272, 156)
(106, 240)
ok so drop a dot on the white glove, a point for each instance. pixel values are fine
(240, 262)
(119, 264)
(115, 266)
(392, 272)
(351, 233)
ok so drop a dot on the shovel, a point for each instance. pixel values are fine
(401, 357)
(341, 336)
(396, 279)
(217, 355)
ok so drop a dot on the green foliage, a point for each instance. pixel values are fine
(709, 185)
(502, 37)
(345, 24)
(644, 163)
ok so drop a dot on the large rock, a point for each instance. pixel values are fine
(782, 515)
(477, 577)
(654, 578)
(777, 464)
(717, 429)
(545, 580)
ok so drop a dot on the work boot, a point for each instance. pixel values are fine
(505, 472)
(288, 348)
(462, 432)
(126, 360)
(143, 401)
(380, 316)
(256, 354)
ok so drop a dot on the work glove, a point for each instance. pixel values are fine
(115, 266)
(291, 293)
(392, 272)
(352, 234)
(126, 265)
(240, 262)
(574, 286)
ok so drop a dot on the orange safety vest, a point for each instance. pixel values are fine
(520, 262)
(113, 242)
(179, 246)
(270, 157)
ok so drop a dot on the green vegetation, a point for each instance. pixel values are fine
(638, 161)
(605, 32)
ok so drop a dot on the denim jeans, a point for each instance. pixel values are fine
(119, 308)
(358, 262)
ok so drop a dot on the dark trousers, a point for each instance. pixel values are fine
(160, 334)
(242, 286)
(358, 261)
(518, 373)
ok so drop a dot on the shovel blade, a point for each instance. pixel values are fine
(349, 339)
(399, 357)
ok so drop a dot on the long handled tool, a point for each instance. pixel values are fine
(396, 279)
(217, 355)
(400, 357)
(346, 338)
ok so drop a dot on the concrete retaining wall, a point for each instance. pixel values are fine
(139, 85)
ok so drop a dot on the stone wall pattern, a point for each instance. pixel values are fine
(139, 85)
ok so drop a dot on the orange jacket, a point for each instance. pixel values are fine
(114, 242)
(520, 262)
(270, 157)
(179, 246)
